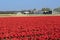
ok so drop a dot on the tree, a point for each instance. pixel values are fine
(46, 9)
(57, 9)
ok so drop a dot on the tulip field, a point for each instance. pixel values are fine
(30, 28)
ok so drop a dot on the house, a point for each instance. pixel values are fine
(47, 12)
(39, 12)
(26, 12)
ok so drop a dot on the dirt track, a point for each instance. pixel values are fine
(24, 15)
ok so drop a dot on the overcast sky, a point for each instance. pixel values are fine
(28, 4)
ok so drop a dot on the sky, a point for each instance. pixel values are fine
(9, 5)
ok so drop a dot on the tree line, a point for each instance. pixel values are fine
(43, 9)
(48, 9)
